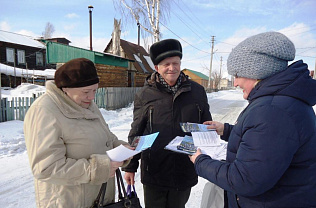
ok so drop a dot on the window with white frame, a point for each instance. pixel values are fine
(39, 59)
(21, 57)
(10, 55)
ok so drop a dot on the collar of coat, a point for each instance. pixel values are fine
(68, 107)
(174, 88)
(185, 85)
(154, 78)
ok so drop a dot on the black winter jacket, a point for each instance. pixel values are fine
(156, 109)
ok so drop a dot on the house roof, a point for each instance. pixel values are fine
(138, 54)
(19, 39)
(61, 53)
(59, 40)
(203, 76)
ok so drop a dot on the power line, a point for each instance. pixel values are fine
(226, 43)
(142, 7)
(189, 27)
(299, 28)
(296, 34)
(189, 19)
(305, 47)
(306, 56)
(196, 58)
(183, 39)
(199, 21)
(182, 20)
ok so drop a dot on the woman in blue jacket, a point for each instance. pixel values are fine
(271, 153)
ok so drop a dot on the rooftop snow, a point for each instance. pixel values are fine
(15, 38)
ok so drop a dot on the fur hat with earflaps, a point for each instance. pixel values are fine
(164, 49)
(79, 72)
(261, 56)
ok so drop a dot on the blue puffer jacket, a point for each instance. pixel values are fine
(271, 153)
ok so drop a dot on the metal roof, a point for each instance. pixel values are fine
(137, 54)
(203, 76)
(19, 39)
(61, 53)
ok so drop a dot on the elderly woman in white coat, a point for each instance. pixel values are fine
(67, 139)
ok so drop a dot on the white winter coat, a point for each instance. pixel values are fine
(67, 145)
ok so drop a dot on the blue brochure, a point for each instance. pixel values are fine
(143, 142)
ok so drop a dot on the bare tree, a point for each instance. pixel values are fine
(146, 13)
(217, 79)
(49, 30)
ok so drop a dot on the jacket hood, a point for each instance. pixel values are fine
(294, 82)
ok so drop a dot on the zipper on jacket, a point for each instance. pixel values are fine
(200, 111)
(147, 169)
(151, 109)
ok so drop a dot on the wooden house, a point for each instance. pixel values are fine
(64, 41)
(24, 52)
(198, 77)
(20, 51)
(112, 70)
(141, 65)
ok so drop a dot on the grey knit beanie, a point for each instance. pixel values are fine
(261, 56)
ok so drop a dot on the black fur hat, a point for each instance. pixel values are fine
(79, 72)
(164, 49)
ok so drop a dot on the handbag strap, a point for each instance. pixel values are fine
(131, 189)
(98, 202)
(120, 185)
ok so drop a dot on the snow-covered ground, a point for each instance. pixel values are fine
(16, 180)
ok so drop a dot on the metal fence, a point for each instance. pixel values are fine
(110, 98)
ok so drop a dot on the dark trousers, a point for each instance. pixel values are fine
(157, 198)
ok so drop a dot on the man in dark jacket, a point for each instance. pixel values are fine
(271, 157)
(167, 98)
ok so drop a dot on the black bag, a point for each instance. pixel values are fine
(129, 200)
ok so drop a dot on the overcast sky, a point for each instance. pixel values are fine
(193, 22)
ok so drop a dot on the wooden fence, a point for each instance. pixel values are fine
(110, 98)
(16, 108)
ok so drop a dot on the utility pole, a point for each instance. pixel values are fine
(220, 74)
(90, 8)
(138, 32)
(220, 67)
(209, 78)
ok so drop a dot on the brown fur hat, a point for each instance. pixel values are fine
(79, 72)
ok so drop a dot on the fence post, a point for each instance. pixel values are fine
(3, 110)
(1, 107)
